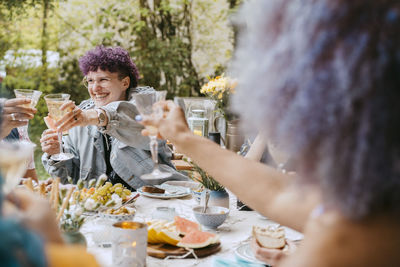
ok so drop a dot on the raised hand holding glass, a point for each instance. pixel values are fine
(54, 102)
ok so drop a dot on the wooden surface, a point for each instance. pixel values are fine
(163, 250)
(182, 165)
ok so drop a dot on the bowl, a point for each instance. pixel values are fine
(119, 217)
(213, 217)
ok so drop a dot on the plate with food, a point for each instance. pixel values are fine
(180, 238)
(123, 213)
(244, 252)
(164, 191)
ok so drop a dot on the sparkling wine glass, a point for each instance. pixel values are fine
(54, 102)
(34, 96)
(278, 154)
(144, 103)
(14, 159)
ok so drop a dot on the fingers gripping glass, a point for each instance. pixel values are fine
(54, 102)
(34, 96)
(144, 103)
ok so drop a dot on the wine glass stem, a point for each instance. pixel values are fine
(60, 141)
(154, 151)
(24, 132)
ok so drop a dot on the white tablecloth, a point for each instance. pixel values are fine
(234, 231)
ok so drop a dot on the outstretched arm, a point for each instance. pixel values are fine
(263, 188)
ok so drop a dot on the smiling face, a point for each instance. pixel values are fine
(105, 87)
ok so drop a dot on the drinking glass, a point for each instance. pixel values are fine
(278, 154)
(144, 103)
(14, 158)
(54, 102)
(34, 96)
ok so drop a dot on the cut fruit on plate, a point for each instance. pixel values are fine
(198, 239)
(184, 226)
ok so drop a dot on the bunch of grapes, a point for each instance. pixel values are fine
(103, 193)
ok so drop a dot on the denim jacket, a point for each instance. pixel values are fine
(129, 157)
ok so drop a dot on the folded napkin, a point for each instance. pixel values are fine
(221, 262)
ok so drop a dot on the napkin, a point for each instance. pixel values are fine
(221, 262)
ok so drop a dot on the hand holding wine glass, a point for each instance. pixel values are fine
(144, 103)
(15, 114)
(54, 103)
(34, 96)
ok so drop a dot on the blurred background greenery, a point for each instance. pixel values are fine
(176, 45)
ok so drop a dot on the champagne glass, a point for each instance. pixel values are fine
(278, 154)
(54, 102)
(144, 103)
(14, 159)
(34, 96)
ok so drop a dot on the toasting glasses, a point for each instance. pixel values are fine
(144, 103)
(34, 96)
(54, 102)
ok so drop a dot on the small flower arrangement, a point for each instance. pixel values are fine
(219, 89)
(207, 182)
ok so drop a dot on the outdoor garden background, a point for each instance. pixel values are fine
(176, 45)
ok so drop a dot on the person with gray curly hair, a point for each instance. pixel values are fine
(322, 79)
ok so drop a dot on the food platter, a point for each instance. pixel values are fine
(245, 253)
(171, 191)
(162, 251)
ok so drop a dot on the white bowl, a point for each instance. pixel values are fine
(119, 217)
(213, 217)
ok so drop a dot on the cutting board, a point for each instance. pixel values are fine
(164, 250)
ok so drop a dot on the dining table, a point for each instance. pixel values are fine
(234, 233)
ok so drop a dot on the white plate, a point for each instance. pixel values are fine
(171, 191)
(245, 253)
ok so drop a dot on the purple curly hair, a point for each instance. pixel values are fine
(322, 78)
(112, 59)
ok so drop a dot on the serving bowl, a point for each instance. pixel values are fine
(213, 217)
(119, 217)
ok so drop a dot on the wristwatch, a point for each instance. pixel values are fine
(101, 116)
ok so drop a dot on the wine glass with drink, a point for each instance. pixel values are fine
(278, 155)
(54, 102)
(34, 96)
(144, 103)
(14, 158)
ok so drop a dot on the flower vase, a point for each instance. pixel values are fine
(217, 198)
(74, 237)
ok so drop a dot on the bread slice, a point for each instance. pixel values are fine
(153, 189)
(270, 236)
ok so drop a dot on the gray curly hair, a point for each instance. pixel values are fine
(322, 78)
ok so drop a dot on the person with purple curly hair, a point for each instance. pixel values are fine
(103, 134)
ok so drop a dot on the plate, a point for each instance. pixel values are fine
(245, 253)
(171, 191)
(162, 251)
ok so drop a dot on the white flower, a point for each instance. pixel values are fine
(90, 204)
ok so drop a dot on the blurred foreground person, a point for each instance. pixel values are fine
(104, 136)
(322, 78)
(29, 232)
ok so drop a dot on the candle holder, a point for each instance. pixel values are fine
(129, 246)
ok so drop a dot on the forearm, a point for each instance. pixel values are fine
(261, 187)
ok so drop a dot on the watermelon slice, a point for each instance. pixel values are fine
(184, 226)
(197, 239)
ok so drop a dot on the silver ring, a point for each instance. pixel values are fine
(13, 116)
